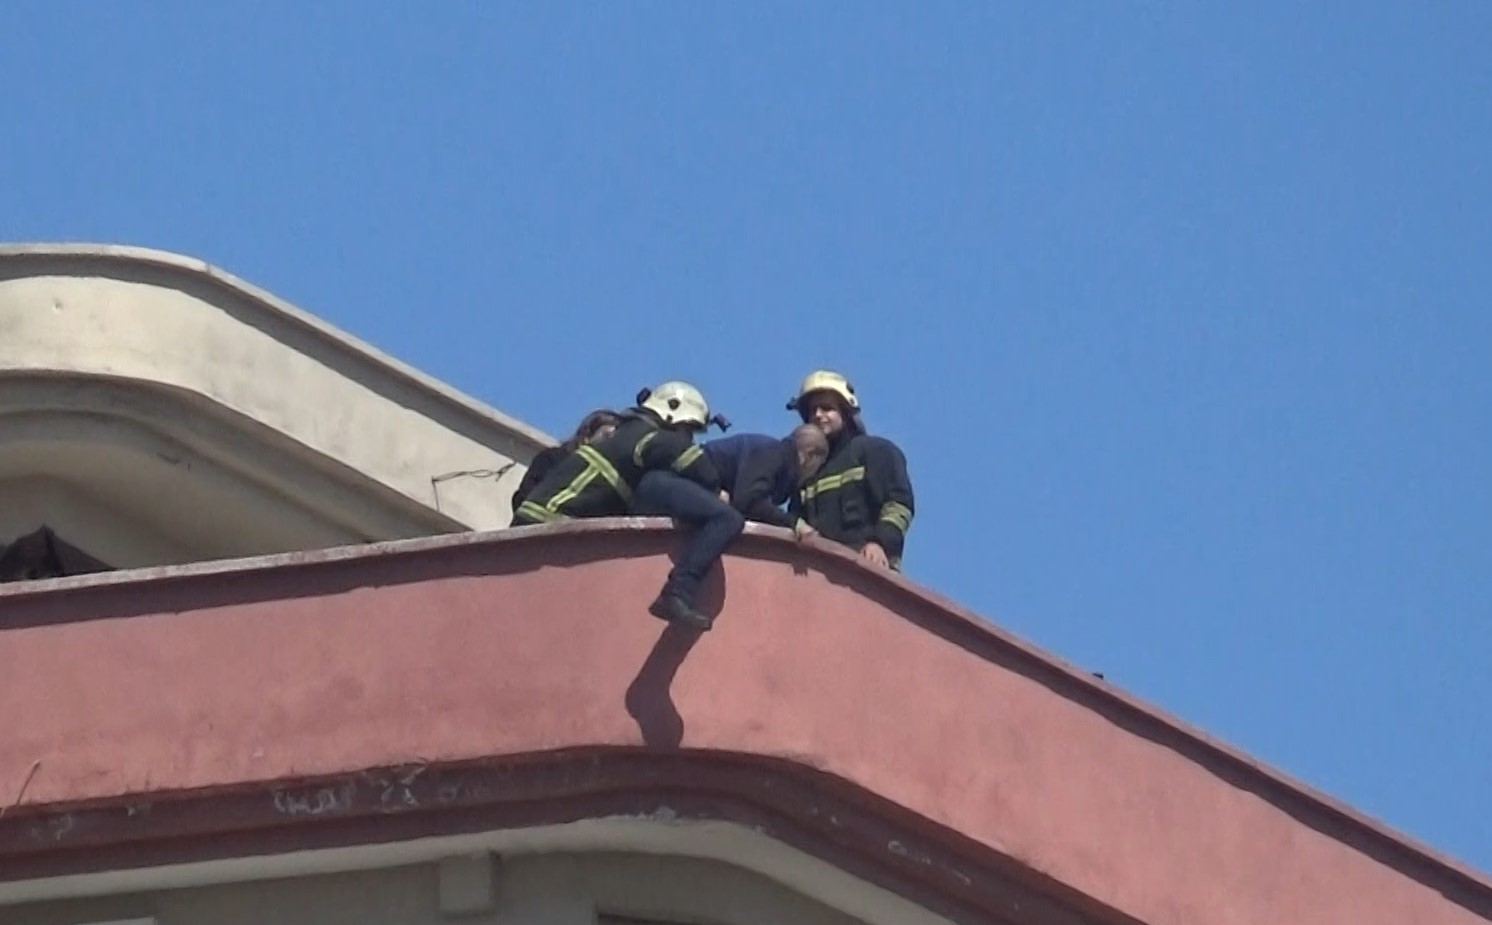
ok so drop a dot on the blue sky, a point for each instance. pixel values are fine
(1181, 314)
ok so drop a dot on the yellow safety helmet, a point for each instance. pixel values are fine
(824, 380)
(676, 402)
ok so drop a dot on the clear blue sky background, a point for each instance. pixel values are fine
(1181, 315)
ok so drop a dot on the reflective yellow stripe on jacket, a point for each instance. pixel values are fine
(597, 466)
(832, 482)
(687, 458)
(606, 470)
(642, 444)
(540, 513)
(897, 515)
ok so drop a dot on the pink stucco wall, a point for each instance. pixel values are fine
(530, 641)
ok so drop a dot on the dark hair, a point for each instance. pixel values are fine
(589, 425)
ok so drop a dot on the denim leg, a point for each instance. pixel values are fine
(714, 522)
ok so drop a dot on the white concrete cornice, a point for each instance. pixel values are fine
(92, 315)
(80, 255)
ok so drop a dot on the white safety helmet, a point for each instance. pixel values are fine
(677, 402)
(825, 380)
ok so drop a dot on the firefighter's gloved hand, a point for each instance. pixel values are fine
(875, 555)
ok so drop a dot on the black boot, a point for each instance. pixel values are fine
(672, 607)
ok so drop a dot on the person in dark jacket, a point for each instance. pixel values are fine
(862, 497)
(761, 472)
(593, 427)
(649, 465)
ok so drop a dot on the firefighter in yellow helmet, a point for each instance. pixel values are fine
(649, 465)
(862, 497)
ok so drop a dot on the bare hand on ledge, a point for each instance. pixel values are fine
(875, 555)
(802, 530)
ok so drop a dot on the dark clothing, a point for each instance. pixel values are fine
(760, 472)
(715, 525)
(862, 494)
(597, 480)
(542, 463)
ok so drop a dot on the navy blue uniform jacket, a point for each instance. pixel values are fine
(759, 471)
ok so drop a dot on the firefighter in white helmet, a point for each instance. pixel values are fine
(650, 465)
(862, 497)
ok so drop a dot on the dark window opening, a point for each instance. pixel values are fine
(44, 554)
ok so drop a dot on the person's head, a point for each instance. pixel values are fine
(594, 428)
(812, 448)
(678, 405)
(827, 400)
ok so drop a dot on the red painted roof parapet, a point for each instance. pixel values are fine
(517, 677)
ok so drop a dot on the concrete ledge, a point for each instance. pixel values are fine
(129, 314)
(159, 457)
(978, 755)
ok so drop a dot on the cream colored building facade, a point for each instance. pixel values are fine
(155, 410)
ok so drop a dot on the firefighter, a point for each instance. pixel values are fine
(761, 472)
(862, 496)
(593, 428)
(649, 464)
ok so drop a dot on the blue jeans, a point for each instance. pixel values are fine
(714, 522)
